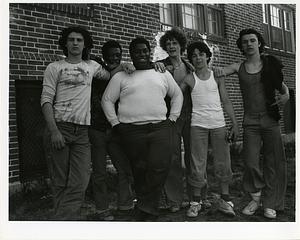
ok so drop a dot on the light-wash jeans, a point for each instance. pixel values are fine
(199, 150)
(268, 175)
(69, 170)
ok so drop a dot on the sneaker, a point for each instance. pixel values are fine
(174, 208)
(194, 209)
(226, 207)
(104, 215)
(251, 208)
(205, 204)
(185, 204)
(269, 213)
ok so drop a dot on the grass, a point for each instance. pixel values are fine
(34, 203)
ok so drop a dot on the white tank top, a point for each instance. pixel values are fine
(207, 110)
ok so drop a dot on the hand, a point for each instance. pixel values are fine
(233, 134)
(57, 140)
(128, 67)
(219, 72)
(281, 99)
(159, 67)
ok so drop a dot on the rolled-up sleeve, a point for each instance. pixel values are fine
(176, 96)
(110, 96)
(49, 85)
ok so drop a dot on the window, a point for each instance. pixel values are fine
(190, 17)
(204, 18)
(278, 27)
(165, 13)
(73, 9)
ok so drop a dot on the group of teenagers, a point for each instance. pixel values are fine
(139, 112)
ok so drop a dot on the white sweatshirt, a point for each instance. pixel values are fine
(141, 96)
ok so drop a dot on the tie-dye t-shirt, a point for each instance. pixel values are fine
(67, 87)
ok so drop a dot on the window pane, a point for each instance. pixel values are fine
(288, 39)
(265, 16)
(286, 16)
(214, 21)
(189, 17)
(275, 16)
(277, 41)
(165, 13)
(266, 34)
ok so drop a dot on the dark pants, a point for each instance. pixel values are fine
(149, 148)
(270, 174)
(69, 170)
(174, 185)
(104, 143)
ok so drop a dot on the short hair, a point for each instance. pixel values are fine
(88, 41)
(108, 45)
(202, 47)
(251, 31)
(174, 33)
(137, 41)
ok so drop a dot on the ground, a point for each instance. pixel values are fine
(34, 203)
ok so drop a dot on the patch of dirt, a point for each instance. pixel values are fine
(35, 204)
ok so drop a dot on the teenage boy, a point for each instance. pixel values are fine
(260, 77)
(104, 141)
(65, 102)
(208, 95)
(174, 43)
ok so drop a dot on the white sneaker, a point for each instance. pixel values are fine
(251, 208)
(269, 213)
(194, 209)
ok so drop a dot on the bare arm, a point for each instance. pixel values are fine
(57, 140)
(227, 70)
(228, 108)
(188, 81)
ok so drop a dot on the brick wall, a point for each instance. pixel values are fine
(34, 32)
(34, 36)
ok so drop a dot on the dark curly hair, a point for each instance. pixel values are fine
(108, 45)
(137, 41)
(174, 33)
(251, 31)
(201, 46)
(88, 41)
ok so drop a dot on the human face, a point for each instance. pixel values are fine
(114, 56)
(75, 44)
(141, 56)
(173, 48)
(199, 59)
(250, 44)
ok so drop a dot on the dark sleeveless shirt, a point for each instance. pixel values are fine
(252, 90)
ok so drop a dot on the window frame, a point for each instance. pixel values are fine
(268, 27)
(200, 17)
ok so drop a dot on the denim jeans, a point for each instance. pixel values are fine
(103, 143)
(199, 150)
(174, 185)
(148, 147)
(69, 170)
(268, 175)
